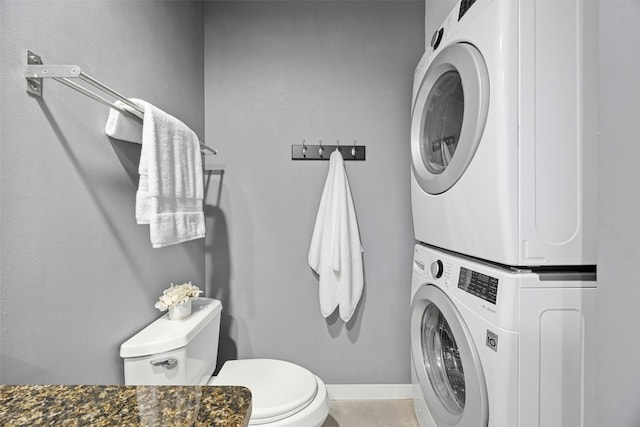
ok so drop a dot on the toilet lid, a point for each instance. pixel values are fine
(278, 389)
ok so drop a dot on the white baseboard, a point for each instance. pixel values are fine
(369, 391)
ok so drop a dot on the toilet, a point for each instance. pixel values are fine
(184, 352)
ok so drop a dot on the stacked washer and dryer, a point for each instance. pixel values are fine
(503, 185)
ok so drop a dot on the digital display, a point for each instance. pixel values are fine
(464, 6)
(478, 284)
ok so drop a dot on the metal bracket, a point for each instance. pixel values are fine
(34, 84)
(42, 71)
(34, 72)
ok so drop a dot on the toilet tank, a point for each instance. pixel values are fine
(175, 352)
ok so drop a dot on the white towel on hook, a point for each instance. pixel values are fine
(335, 253)
(170, 191)
(121, 126)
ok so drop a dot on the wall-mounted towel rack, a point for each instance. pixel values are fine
(35, 71)
(323, 152)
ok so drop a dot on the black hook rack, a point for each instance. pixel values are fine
(323, 152)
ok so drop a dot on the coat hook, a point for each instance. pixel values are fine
(304, 149)
(353, 150)
(321, 149)
(338, 145)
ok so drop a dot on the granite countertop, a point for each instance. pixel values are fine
(120, 405)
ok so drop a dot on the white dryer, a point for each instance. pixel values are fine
(497, 347)
(503, 133)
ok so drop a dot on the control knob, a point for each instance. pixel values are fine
(437, 268)
(437, 38)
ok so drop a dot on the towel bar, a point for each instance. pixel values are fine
(35, 71)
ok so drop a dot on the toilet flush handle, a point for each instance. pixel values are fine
(165, 363)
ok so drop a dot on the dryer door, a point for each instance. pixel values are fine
(446, 361)
(448, 117)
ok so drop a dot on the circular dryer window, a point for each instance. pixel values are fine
(448, 117)
(441, 130)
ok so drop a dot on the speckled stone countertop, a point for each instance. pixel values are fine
(120, 405)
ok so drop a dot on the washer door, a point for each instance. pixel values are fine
(448, 117)
(446, 361)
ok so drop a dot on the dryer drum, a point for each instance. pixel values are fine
(443, 123)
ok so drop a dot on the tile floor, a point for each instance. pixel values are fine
(371, 413)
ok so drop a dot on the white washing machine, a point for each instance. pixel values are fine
(503, 133)
(498, 347)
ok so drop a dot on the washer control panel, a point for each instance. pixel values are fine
(478, 284)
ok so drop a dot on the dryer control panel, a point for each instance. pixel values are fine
(478, 284)
(464, 6)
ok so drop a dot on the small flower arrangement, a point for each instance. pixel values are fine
(175, 295)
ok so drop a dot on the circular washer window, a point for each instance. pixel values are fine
(442, 361)
(449, 117)
(446, 362)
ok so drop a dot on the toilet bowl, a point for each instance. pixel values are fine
(298, 399)
(184, 352)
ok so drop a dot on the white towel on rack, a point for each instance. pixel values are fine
(120, 126)
(170, 192)
(335, 253)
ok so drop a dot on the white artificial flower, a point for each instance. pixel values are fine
(175, 295)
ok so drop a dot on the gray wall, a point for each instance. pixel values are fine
(276, 73)
(619, 213)
(77, 275)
